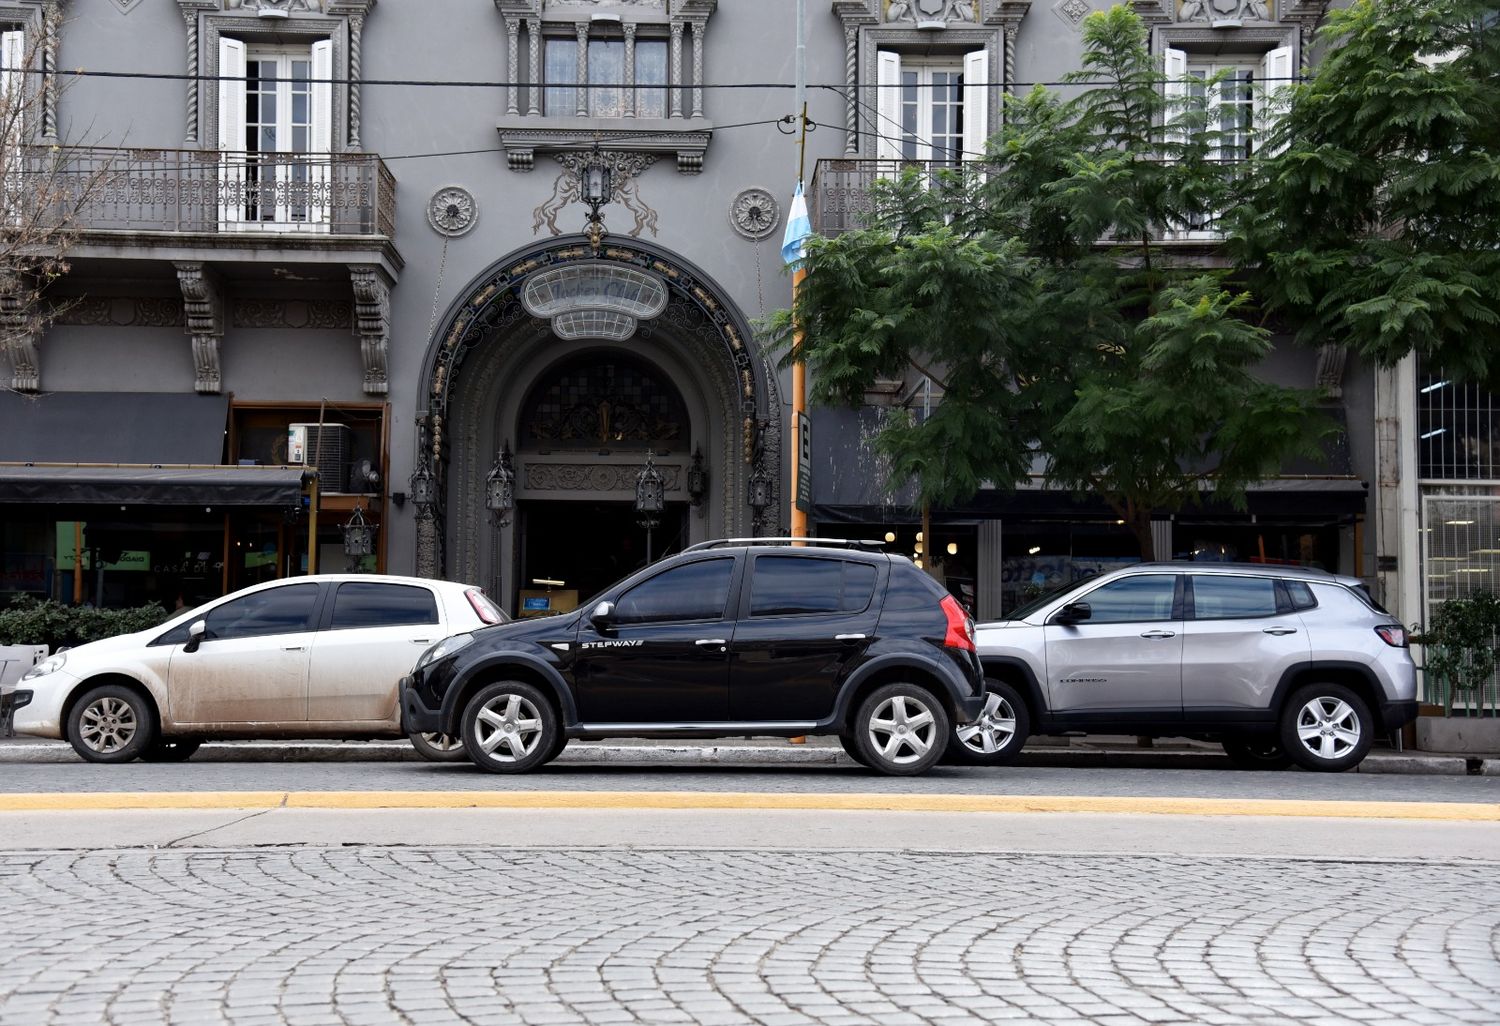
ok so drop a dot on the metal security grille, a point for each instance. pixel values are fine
(1456, 430)
(1460, 556)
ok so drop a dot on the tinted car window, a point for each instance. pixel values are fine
(283, 610)
(358, 604)
(1223, 598)
(1301, 594)
(694, 591)
(1147, 597)
(787, 585)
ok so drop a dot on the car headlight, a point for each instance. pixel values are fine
(445, 648)
(49, 665)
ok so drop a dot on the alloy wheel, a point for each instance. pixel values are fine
(444, 742)
(1328, 727)
(994, 728)
(108, 725)
(902, 730)
(508, 728)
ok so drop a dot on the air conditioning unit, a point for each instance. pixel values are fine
(324, 447)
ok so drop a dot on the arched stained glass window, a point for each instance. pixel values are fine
(604, 401)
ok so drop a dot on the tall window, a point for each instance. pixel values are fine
(606, 95)
(932, 109)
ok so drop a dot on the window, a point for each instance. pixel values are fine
(284, 610)
(1225, 598)
(607, 96)
(696, 591)
(1132, 599)
(382, 605)
(789, 585)
(932, 110)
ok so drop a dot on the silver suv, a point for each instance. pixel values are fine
(1281, 665)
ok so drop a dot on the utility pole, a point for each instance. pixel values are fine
(799, 273)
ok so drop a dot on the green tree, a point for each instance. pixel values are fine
(1375, 226)
(1038, 294)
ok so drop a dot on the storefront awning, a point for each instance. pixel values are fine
(151, 428)
(63, 484)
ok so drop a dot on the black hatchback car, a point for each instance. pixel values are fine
(729, 638)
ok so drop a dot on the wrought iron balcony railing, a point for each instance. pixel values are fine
(207, 191)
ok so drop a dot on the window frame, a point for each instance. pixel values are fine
(313, 619)
(1175, 612)
(562, 32)
(328, 621)
(748, 601)
(731, 596)
(1280, 597)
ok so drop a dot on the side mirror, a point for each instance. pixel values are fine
(195, 635)
(1073, 612)
(603, 613)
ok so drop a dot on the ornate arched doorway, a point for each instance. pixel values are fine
(580, 398)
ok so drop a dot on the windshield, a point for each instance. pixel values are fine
(1024, 610)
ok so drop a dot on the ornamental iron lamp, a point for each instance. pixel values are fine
(650, 498)
(500, 487)
(359, 538)
(595, 186)
(697, 478)
(423, 486)
(759, 487)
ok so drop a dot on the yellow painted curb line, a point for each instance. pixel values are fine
(108, 801)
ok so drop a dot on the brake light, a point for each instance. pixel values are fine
(1393, 635)
(483, 607)
(960, 627)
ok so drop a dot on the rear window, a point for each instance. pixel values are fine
(1300, 594)
(357, 604)
(791, 585)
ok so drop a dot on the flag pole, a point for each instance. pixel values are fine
(799, 273)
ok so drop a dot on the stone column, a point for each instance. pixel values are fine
(583, 69)
(356, 34)
(698, 29)
(534, 48)
(675, 109)
(512, 72)
(630, 93)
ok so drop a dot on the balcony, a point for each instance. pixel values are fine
(338, 206)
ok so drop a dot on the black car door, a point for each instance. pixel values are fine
(805, 619)
(663, 656)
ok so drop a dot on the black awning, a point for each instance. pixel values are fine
(157, 486)
(113, 427)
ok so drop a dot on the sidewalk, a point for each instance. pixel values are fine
(1098, 752)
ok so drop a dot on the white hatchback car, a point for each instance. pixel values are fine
(304, 657)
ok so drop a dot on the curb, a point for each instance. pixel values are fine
(813, 754)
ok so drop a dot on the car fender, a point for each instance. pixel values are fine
(492, 660)
(906, 657)
(1310, 670)
(1025, 677)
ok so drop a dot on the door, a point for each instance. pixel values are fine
(1241, 636)
(251, 666)
(808, 620)
(1125, 660)
(665, 656)
(372, 635)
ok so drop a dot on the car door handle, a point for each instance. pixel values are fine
(705, 642)
(1157, 635)
(420, 641)
(1278, 631)
(292, 648)
(848, 637)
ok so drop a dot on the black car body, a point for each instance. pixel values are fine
(733, 638)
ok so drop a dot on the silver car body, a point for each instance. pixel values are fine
(1197, 649)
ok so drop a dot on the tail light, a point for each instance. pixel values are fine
(960, 627)
(486, 610)
(1393, 635)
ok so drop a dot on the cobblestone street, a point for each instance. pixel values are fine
(400, 935)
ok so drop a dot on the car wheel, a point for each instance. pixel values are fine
(1256, 753)
(111, 724)
(852, 750)
(162, 750)
(996, 738)
(509, 727)
(438, 747)
(1326, 727)
(901, 729)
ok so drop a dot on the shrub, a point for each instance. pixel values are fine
(31, 621)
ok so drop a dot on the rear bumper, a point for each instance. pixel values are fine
(416, 718)
(1398, 714)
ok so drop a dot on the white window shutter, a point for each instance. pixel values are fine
(976, 103)
(888, 104)
(1276, 73)
(322, 96)
(232, 172)
(12, 61)
(1175, 89)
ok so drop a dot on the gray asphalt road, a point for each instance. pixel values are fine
(386, 776)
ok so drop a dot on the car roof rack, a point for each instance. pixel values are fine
(827, 543)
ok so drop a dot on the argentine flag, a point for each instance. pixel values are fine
(798, 228)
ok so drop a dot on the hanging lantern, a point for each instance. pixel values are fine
(422, 487)
(650, 489)
(697, 478)
(359, 536)
(500, 487)
(759, 491)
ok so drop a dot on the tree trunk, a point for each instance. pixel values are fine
(1140, 526)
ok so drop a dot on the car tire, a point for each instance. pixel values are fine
(111, 723)
(901, 729)
(852, 750)
(996, 738)
(170, 750)
(1326, 727)
(1256, 753)
(510, 727)
(438, 747)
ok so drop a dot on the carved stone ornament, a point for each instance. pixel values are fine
(19, 335)
(452, 211)
(120, 312)
(203, 304)
(648, 4)
(372, 314)
(281, 7)
(1072, 12)
(754, 213)
(592, 477)
(125, 5)
(1211, 11)
(918, 11)
(627, 167)
(325, 314)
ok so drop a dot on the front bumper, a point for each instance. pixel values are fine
(416, 718)
(1398, 714)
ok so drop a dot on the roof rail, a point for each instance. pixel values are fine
(828, 543)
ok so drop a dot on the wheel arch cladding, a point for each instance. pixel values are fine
(902, 673)
(1019, 676)
(502, 670)
(104, 680)
(1350, 675)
